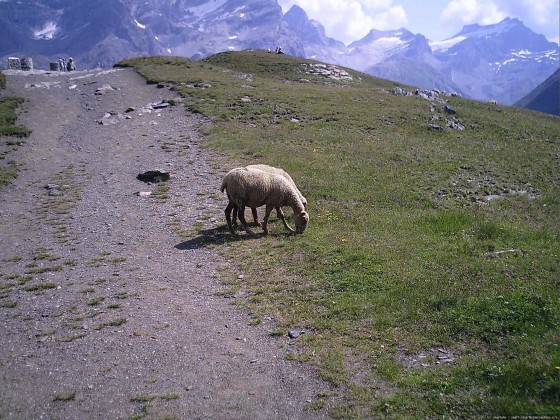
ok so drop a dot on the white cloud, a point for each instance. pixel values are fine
(541, 16)
(473, 11)
(348, 21)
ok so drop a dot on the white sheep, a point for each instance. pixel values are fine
(277, 171)
(253, 188)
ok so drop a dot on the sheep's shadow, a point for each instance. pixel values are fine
(221, 235)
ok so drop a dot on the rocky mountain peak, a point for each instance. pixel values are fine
(503, 61)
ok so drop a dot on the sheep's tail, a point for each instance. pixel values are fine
(224, 186)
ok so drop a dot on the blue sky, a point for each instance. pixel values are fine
(350, 20)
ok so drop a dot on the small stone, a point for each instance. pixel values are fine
(143, 193)
(160, 105)
(293, 334)
(241, 277)
(103, 89)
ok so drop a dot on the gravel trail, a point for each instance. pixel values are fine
(109, 300)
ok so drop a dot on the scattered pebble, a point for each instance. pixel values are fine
(294, 334)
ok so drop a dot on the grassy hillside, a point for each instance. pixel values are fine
(10, 134)
(428, 280)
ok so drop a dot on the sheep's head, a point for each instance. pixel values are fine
(301, 220)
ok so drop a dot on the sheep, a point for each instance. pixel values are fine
(278, 171)
(255, 188)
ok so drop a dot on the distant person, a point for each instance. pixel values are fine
(61, 66)
(70, 66)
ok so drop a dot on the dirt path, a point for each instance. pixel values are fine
(109, 308)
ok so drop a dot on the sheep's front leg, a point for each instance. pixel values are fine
(241, 215)
(265, 220)
(280, 215)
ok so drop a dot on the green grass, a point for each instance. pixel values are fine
(8, 117)
(8, 131)
(404, 251)
(65, 397)
(40, 287)
(113, 323)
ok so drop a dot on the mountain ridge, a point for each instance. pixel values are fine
(545, 97)
(502, 62)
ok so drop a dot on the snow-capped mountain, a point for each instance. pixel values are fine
(497, 61)
(200, 28)
(96, 33)
(503, 61)
(312, 38)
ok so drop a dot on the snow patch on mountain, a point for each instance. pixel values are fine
(447, 44)
(204, 9)
(47, 32)
(477, 31)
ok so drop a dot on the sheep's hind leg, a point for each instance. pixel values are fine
(241, 215)
(230, 207)
(280, 215)
(255, 216)
(234, 215)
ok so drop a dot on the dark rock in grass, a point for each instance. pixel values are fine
(450, 110)
(455, 125)
(401, 92)
(153, 176)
